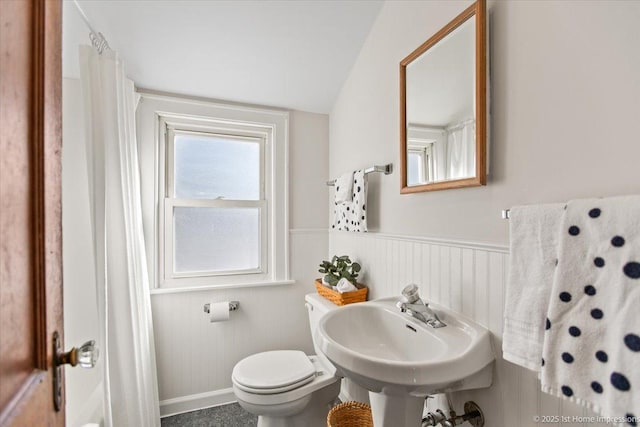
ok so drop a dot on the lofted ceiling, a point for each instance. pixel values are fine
(292, 54)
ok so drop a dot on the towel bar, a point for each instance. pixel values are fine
(386, 169)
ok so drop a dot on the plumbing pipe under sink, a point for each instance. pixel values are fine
(445, 415)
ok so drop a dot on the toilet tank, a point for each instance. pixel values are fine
(317, 306)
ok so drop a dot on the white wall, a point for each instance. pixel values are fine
(83, 386)
(565, 105)
(308, 170)
(195, 357)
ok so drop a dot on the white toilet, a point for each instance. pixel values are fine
(287, 388)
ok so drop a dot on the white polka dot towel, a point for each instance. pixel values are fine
(591, 350)
(352, 215)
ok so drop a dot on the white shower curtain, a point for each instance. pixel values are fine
(461, 160)
(127, 347)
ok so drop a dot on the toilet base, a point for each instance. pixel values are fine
(308, 411)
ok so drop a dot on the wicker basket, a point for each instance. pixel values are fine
(342, 299)
(350, 414)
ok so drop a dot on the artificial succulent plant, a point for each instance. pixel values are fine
(339, 267)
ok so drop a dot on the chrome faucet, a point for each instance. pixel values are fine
(417, 308)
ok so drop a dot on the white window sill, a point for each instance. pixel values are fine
(161, 291)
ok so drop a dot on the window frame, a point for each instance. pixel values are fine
(155, 112)
(170, 201)
(435, 137)
(168, 276)
(425, 153)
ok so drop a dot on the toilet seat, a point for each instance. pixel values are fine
(273, 372)
(321, 378)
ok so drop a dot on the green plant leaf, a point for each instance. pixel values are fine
(330, 279)
(340, 267)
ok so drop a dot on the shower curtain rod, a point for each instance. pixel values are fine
(459, 124)
(97, 39)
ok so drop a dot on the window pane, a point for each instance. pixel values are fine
(216, 239)
(414, 168)
(209, 167)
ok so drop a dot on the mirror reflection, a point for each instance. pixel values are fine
(440, 113)
(442, 107)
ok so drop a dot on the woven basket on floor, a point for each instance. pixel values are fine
(350, 414)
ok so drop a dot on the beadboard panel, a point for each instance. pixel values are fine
(196, 357)
(469, 278)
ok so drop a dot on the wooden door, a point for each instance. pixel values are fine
(30, 209)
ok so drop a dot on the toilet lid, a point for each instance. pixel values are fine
(281, 369)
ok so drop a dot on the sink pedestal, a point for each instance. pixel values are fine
(396, 411)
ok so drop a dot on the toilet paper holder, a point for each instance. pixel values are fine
(233, 306)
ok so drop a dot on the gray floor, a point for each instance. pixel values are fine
(231, 415)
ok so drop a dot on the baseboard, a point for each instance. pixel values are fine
(194, 402)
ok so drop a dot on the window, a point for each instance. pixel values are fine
(420, 164)
(221, 216)
(215, 205)
(426, 151)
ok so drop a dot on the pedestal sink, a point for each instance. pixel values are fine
(401, 360)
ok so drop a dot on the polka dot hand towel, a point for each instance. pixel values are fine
(352, 215)
(591, 348)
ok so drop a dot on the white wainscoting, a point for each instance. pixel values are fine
(195, 357)
(469, 278)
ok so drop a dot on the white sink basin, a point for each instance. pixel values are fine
(400, 360)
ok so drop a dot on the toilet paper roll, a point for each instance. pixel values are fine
(219, 311)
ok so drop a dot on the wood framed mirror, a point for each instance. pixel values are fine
(443, 107)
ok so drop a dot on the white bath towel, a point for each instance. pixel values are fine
(591, 352)
(344, 285)
(344, 188)
(533, 236)
(352, 216)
